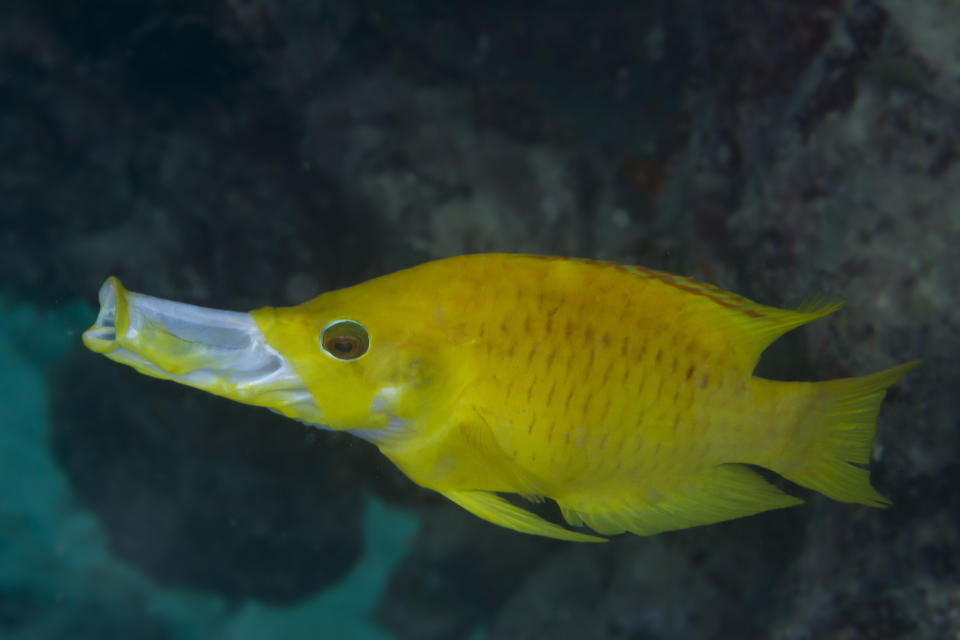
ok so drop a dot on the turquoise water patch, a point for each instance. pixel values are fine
(57, 574)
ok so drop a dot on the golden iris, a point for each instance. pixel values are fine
(345, 340)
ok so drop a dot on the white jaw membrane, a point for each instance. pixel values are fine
(221, 352)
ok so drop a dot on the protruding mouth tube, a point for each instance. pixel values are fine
(221, 352)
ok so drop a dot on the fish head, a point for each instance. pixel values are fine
(370, 356)
(358, 360)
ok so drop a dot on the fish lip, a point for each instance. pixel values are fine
(101, 337)
(221, 352)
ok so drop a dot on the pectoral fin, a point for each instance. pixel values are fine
(495, 509)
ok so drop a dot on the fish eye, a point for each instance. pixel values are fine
(345, 339)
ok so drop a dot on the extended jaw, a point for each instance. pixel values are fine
(221, 352)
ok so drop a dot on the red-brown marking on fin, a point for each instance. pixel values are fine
(550, 315)
(606, 374)
(593, 356)
(713, 293)
(605, 411)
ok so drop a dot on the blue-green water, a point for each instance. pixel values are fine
(55, 551)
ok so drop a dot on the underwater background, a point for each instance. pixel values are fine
(237, 153)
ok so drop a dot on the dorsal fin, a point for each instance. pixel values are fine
(749, 326)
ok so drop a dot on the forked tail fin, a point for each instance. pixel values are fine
(841, 431)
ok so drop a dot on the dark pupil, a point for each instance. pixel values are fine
(344, 344)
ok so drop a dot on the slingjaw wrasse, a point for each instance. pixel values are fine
(625, 394)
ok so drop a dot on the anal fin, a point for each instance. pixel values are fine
(495, 509)
(725, 492)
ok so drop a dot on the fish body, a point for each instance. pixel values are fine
(624, 394)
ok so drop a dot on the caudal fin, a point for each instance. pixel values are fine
(842, 432)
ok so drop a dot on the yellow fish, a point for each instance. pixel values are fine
(624, 394)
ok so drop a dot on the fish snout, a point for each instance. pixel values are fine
(221, 352)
